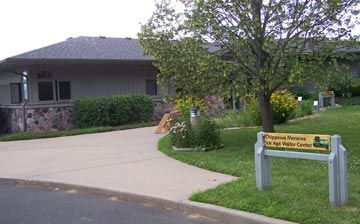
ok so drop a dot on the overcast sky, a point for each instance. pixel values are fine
(30, 24)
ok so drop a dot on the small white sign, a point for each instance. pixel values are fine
(316, 103)
(299, 98)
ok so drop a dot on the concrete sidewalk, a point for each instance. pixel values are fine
(126, 161)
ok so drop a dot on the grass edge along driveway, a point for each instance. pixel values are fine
(71, 132)
(300, 187)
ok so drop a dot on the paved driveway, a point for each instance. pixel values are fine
(126, 161)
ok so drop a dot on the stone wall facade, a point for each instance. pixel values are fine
(45, 118)
(50, 118)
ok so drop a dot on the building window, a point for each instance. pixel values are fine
(15, 92)
(46, 92)
(64, 90)
(151, 87)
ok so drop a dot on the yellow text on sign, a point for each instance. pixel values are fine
(298, 141)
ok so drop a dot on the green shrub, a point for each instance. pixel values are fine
(296, 113)
(182, 134)
(307, 107)
(184, 104)
(112, 110)
(141, 108)
(304, 108)
(346, 86)
(253, 112)
(207, 133)
(348, 101)
(301, 92)
(119, 110)
(283, 104)
(348, 93)
(355, 91)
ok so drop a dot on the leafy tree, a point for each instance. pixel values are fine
(262, 45)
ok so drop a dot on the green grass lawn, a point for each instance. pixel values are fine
(234, 119)
(300, 187)
(79, 131)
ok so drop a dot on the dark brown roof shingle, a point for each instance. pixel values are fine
(90, 48)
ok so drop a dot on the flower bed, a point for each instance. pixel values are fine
(205, 135)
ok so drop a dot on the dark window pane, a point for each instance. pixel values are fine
(64, 90)
(15, 92)
(46, 92)
(151, 87)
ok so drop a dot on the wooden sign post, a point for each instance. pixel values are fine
(337, 159)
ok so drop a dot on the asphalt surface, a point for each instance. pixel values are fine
(24, 205)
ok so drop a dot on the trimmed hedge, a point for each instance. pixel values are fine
(348, 101)
(113, 110)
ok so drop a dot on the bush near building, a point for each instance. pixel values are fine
(113, 110)
(345, 101)
(283, 104)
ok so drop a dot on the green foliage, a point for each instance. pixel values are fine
(185, 103)
(112, 110)
(186, 64)
(141, 108)
(182, 134)
(307, 107)
(303, 109)
(261, 46)
(355, 91)
(283, 105)
(301, 92)
(253, 111)
(348, 101)
(206, 133)
(346, 85)
(252, 116)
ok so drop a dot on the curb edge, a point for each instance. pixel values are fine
(183, 206)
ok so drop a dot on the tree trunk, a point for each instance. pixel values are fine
(266, 112)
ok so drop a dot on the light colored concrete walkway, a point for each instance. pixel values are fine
(126, 161)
